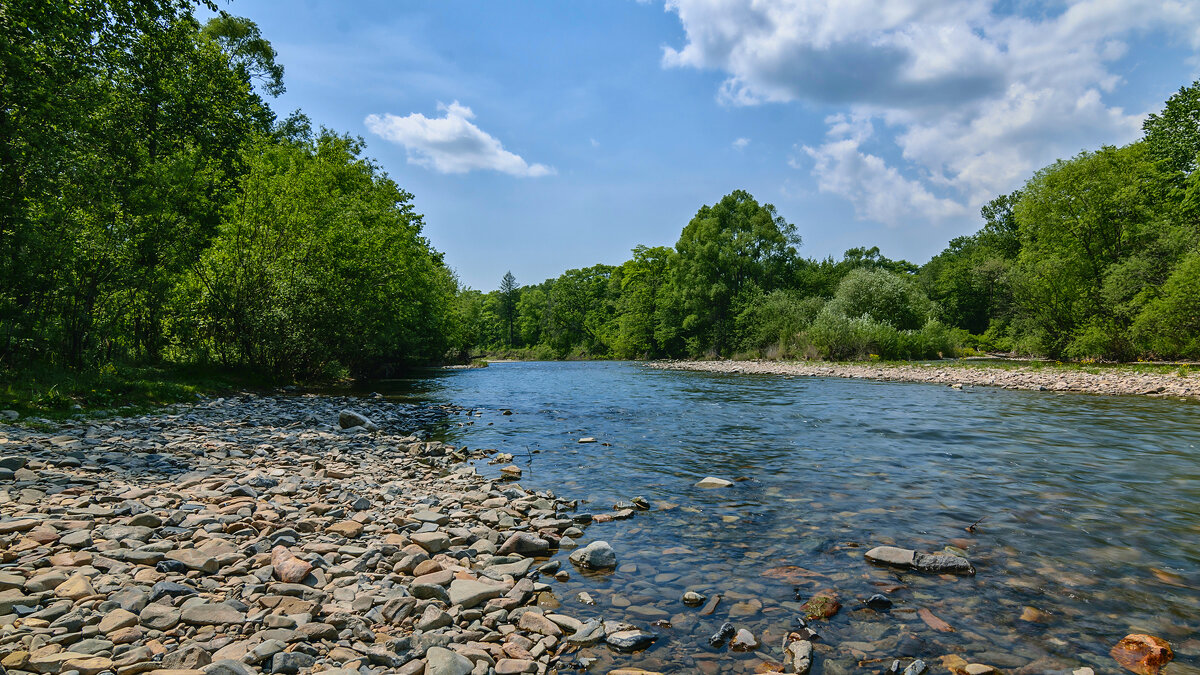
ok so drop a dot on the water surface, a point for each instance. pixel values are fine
(1087, 508)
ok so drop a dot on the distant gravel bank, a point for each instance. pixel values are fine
(1109, 381)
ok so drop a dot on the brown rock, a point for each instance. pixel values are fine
(537, 623)
(1142, 654)
(75, 588)
(347, 528)
(933, 622)
(288, 568)
(515, 666)
(426, 567)
(822, 605)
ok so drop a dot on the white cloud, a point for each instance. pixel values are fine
(877, 190)
(451, 144)
(595, 143)
(741, 143)
(973, 98)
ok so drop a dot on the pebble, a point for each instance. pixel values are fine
(1111, 381)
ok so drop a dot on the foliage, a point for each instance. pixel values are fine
(1169, 326)
(151, 210)
(883, 297)
(320, 261)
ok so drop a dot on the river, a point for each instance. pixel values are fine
(1087, 509)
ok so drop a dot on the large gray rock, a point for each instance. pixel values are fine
(630, 640)
(195, 559)
(525, 543)
(588, 634)
(291, 662)
(159, 617)
(904, 558)
(226, 667)
(714, 482)
(348, 419)
(597, 555)
(442, 661)
(798, 654)
(469, 593)
(943, 563)
(211, 614)
(892, 555)
(434, 542)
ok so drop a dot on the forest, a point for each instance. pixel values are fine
(155, 209)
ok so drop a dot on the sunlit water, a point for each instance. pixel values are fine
(1088, 508)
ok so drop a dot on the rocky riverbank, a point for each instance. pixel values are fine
(1109, 381)
(256, 534)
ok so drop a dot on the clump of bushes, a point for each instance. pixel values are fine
(873, 313)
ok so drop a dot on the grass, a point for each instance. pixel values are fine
(57, 393)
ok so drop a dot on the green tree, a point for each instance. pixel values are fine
(642, 280)
(510, 295)
(578, 310)
(1169, 326)
(251, 53)
(1172, 136)
(321, 264)
(729, 252)
(1077, 218)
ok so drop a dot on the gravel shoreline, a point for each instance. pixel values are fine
(1115, 382)
(255, 534)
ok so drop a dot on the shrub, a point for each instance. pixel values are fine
(883, 297)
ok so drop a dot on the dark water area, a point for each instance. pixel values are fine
(1088, 509)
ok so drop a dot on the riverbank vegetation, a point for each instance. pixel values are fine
(155, 212)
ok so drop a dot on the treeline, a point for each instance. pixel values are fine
(1095, 257)
(153, 207)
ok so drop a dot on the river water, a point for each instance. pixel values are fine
(1088, 509)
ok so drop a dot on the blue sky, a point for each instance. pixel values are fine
(542, 136)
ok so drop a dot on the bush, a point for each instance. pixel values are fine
(883, 297)
(841, 338)
(772, 325)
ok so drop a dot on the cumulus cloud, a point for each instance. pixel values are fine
(741, 143)
(973, 97)
(879, 192)
(452, 143)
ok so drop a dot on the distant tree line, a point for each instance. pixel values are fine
(153, 207)
(1095, 257)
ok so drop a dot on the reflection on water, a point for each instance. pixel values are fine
(1087, 508)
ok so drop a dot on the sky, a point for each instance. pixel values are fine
(538, 137)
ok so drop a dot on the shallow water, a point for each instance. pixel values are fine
(1090, 508)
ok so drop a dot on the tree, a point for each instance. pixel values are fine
(1172, 136)
(642, 280)
(250, 52)
(1077, 219)
(509, 297)
(730, 250)
(578, 309)
(320, 264)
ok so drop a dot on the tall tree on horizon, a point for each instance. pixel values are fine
(509, 294)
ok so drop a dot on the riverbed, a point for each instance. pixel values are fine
(1079, 512)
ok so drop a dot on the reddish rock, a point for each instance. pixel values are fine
(822, 605)
(1142, 654)
(288, 568)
